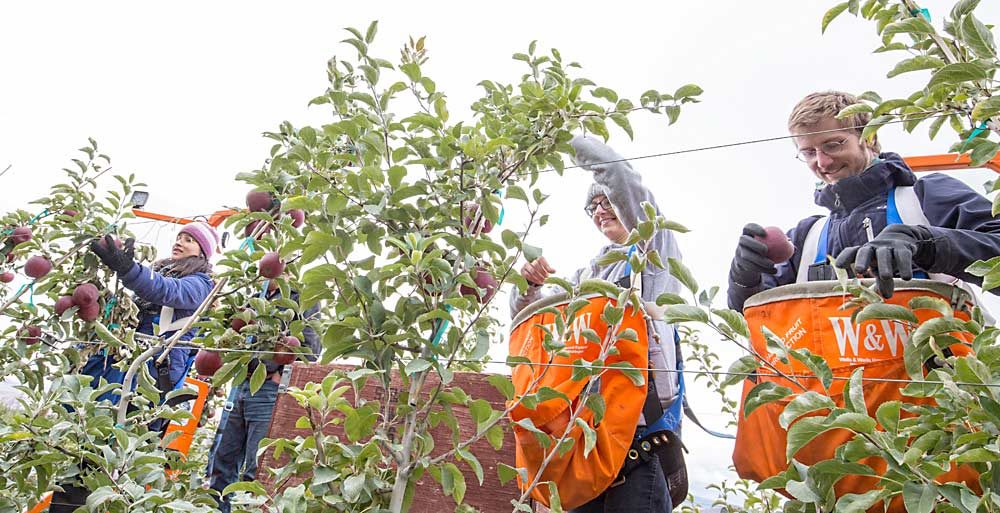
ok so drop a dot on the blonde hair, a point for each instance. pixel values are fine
(818, 107)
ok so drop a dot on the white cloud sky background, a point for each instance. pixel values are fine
(179, 94)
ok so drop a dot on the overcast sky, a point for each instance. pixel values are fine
(180, 92)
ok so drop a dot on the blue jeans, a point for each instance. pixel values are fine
(234, 453)
(644, 491)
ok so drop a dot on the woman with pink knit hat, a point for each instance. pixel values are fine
(167, 294)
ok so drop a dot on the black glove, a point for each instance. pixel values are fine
(894, 251)
(119, 260)
(751, 258)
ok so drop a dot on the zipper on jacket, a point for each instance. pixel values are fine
(867, 223)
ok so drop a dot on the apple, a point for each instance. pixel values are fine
(253, 226)
(283, 357)
(779, 248)
(70, 212)
(89, 312)
(85, 294)
(298, 216)
(31, 334)
(64, 303)
(21, 235)
(207, 363)
(238, 324)
(37, 266)
(260, 201)
(471, 223)
(271, 266)
(484, 280)
(6, 277)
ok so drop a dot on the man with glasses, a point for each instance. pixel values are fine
(614, 206)
(859, 185)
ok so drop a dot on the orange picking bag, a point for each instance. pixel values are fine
(808, 316)
(579, 478)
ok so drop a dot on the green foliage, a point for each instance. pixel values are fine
(961, 58)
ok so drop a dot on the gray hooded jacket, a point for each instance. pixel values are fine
(623, 186)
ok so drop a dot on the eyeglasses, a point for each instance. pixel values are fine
(590, 209)
(829, 149)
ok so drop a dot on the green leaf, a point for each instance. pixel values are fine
(503, 384)
(986, 109)
(887, 311)
(919, 497)
(915, 25)
(802, 404)
(764, 393)
(858, 503)
(832, 14)
(931, 303)
(888, 415)
(775, 345)
(734, 320)
(257, 380)
(417, 365)
(245, 486)
(920, 62)
(589, 437)
(978, 37)
(857, 108)
(685, 313)
(854, 392)
(688, 90)
(816, 364)
(507, 472)
(683, 274)
(808, 428)
(739, 369)
(531, 253)
(669, 298)
(957, 74)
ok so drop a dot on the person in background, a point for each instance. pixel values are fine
(247, 416)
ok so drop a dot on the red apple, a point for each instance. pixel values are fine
(298, 217)
(89, 312)
(85, 294)
(238, 324)
(779, 248)
(30, 334)
(471, 223)
(6, 277)
(70, 212)
(271, 266)
(21, 235)
(37, 266)
(484, 280)
(10, 257)
(207, 363)
(282, 356)
(248, 231)
(260, 201)
(64, 303)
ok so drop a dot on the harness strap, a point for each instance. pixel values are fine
(811, 252)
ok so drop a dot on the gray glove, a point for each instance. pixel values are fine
(750, 261)
(594, 155)
(893, 251)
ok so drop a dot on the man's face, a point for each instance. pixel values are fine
(832, 156)
(605, 219)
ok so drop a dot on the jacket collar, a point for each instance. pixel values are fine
(847, 194)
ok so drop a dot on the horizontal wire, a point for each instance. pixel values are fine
(742, 143)
(191, 345)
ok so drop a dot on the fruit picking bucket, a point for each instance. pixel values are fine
(809, 316)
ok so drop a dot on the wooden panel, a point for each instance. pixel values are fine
(429, 498)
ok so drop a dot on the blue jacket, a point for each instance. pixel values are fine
(961, 221)
(184, 295)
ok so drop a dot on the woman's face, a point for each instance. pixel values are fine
(185, 246)
(606, 220)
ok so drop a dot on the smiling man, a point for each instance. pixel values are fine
(868, 193)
